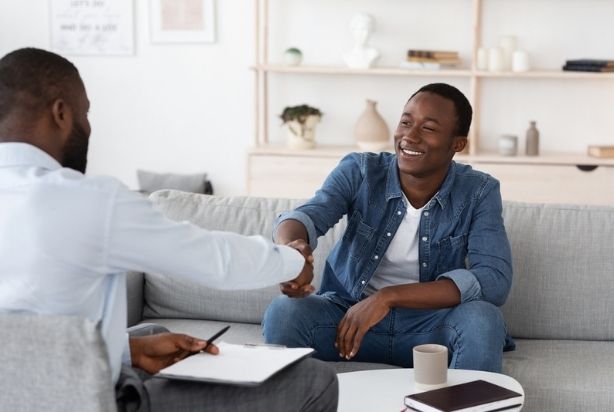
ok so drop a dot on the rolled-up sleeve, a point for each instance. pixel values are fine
(466, 282)
(304, 219)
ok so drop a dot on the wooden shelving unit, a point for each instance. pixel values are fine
(323, 155)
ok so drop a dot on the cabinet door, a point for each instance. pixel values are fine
(553, 184)
(295, 177)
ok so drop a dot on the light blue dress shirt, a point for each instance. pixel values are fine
(66, 241)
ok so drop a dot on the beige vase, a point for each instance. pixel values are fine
(371, 132)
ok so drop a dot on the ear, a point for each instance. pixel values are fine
(460, 142)
(62, 116)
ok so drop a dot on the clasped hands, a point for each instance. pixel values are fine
(357, 320)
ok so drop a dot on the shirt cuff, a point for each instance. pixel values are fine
(292, 260)
(466, 282)
(304, 219)
(126, 358)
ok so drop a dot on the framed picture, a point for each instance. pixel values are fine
(182, 21)
(92, 27)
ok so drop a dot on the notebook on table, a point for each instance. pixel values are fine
(245, 365)
(474, 396)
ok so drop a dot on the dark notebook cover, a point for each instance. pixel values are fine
(465, 395)
(590, 62)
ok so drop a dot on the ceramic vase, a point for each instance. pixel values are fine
(532, 140)
(371, 132)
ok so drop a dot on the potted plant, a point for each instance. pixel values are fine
(301, 122)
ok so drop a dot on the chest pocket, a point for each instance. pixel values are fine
(452, 253)
(357, 236)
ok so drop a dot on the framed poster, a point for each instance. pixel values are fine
(92, 27)
(182, 21)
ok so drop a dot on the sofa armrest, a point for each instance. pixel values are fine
(135, 282)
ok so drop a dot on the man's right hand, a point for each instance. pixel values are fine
(300, 286)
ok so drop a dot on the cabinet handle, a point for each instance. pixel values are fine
(587, 168)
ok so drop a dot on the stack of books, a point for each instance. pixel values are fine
(589, 65)
(431, 59)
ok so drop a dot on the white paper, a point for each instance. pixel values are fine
(239, 364)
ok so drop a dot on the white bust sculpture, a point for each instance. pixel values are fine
(361, 56)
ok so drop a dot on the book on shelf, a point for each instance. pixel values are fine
(426, 66)
(444, 61)
(601, 151)
(471, 396)
(590, 62)
(587, 68)
(432, 54)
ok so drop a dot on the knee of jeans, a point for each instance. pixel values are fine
(480, 317)
(282, 313)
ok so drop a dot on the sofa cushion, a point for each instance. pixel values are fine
(178, 298)
(563, 271)
(563, 375)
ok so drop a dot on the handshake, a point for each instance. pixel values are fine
(300, 286)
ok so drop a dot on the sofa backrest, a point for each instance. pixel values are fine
(53, 363)
(178, 298)
(563, 259)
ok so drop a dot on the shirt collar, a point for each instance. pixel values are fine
(24, 154)
(393, 184)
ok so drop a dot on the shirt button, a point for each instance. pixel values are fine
(424, 238)
(423, 264)
(375, 257)
(363, 282)
(388, 234)
(426, 213)
(398, 212)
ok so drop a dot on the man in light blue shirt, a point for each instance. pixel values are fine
(424, 259)
(66, 241)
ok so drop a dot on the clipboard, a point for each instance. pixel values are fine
(242, 365)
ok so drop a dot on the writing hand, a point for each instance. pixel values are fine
(154, 352)
(300, 286)
(356, 323)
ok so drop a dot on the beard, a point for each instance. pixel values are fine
(75, 151)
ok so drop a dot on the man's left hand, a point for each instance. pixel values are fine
(356, 323)
(154, 352)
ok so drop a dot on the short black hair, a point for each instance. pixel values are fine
(31, 79)
(464, 112)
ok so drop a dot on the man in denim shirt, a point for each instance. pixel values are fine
(424, 259)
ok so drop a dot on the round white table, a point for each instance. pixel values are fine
(384, 390)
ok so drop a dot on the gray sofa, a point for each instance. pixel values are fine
(559, 310)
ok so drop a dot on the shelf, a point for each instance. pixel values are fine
(392, 71)
(377, 71)
(545, 74)
(548, 159)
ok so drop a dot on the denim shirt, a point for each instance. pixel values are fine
(461, 234)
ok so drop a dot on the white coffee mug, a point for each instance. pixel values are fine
(430, 366)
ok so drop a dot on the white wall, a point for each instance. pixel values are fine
(189, 108)
(175, 108)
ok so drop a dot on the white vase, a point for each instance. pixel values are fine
(371, 132)
(302, 135)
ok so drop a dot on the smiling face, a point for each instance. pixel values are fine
(425, 139)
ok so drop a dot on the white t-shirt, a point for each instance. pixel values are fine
(399, 265)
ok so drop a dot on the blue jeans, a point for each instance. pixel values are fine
(474, 332)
